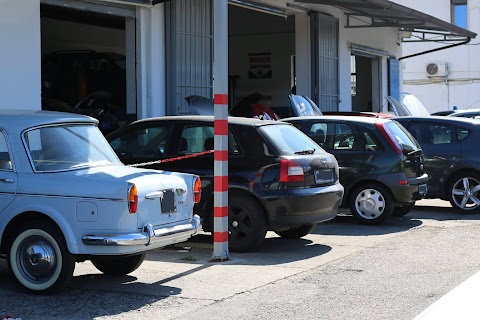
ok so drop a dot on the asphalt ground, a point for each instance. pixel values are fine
(343, 270)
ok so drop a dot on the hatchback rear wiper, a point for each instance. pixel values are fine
(305, 151)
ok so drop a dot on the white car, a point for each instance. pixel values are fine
(65, 197)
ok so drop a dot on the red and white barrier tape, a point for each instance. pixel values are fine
(193, 155)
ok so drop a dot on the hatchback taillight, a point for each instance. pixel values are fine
(389, 137)
(290, 171)
(197, 190)
(132, 199)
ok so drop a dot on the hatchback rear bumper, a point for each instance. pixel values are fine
(296, 207)
(415, 189)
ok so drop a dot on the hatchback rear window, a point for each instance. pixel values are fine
(288, 140)
(403, 137)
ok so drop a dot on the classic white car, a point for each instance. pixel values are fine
(65, 198)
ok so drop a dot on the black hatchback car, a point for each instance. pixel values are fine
(381, 164)
(452, 158)
(279, 179)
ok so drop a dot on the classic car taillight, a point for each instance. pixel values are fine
(290, 171)
(132, 198)
(197, 190)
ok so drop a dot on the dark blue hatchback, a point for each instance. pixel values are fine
(381, 164)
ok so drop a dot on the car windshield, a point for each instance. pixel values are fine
(288, 140)
(66, 147)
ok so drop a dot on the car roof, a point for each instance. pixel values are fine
(359, 119)
(463, 111)
(22, 119)
(231, 120)
(453, 120)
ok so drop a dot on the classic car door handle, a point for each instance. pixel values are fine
(8, 180)
(154, 195)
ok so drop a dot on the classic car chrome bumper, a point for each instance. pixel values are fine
(148, 236)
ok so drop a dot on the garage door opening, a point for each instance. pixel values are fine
(88, 63)
(261, 59)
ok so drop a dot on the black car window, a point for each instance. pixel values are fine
(431, 133)
(442, 134)
(462, 133)
(288, 140)
(317, 133)
(340, 136)
(195, 139)
(5, 163)
(372, 143)
(145, 142)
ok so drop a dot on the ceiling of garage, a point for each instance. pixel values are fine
(79, 16)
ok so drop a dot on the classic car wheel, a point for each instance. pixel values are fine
(118, 265)
(465, 192)
(371, 203)
(401, 211)
(39, 258)
(297, 232)
(247, 225)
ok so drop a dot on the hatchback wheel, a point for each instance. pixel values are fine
(247, 225)
(39, 258)
(465, 193)
(118, 265)
(371, 203)
(297, 232)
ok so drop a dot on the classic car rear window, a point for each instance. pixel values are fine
(288, 140)
(66, 147)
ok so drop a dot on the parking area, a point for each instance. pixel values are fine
(343, 270)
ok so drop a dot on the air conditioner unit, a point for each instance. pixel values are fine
(436, 69)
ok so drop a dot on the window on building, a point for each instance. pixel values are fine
(459, 13)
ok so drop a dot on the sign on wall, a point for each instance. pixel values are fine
(259, 65)
(394, 78)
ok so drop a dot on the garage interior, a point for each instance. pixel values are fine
(261, 57)
(84, 64)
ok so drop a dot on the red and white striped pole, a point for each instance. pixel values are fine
(220, 99)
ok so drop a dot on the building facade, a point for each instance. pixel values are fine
(450, 77)
(143, 58)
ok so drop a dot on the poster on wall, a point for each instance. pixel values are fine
(259, 65)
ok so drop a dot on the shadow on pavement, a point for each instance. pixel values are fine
(88, 296)
(441, 214)
(274, 251)
(346, 225)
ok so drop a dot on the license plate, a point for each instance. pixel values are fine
(422, 189)
(323, 176)
(168, 202)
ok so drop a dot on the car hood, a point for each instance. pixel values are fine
(106, 182)
(410, 106)
(303, 106)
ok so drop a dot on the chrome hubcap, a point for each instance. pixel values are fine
(36, 259)
(370, 204)
(465, 193)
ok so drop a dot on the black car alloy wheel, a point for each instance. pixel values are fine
(465, 192)
(247, 225)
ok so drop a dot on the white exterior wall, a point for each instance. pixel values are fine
(20, 76)
(460, 88)
(151, 87)
(378, 38)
